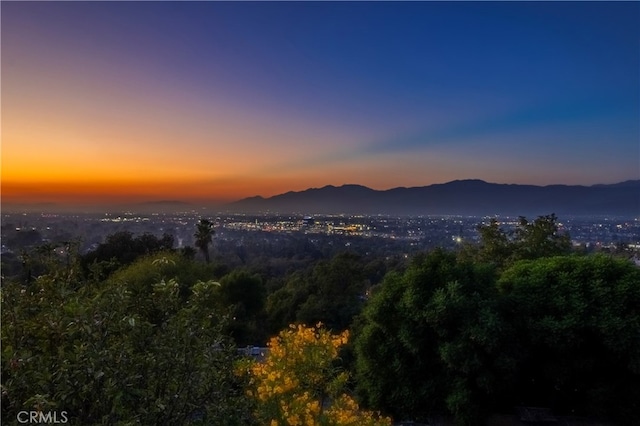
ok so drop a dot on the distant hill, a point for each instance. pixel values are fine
(460, 197)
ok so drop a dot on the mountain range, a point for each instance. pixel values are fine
(461, 197)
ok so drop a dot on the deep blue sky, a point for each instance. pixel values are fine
(241, 98)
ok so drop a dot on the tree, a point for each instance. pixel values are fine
(204, 237)
(495, 246)
(337, 289)
(577, 324)
(540, 238)
(559, 332)
(330, 291)
(121, 249)
(528, 240)
(411, 358)
(141, 276)
(96, 351)
(298, 383)
(473, 343)
(244, 295)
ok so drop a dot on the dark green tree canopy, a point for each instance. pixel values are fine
(331, 292)
(122, 248)
(541, 237)
(456, 336)
(578, 328)
(243, 295)
(409, 351)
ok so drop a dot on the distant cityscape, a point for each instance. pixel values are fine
(400, 234)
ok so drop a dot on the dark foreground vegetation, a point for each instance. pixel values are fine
(136, 332)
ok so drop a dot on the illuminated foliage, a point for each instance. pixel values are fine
(298, 383)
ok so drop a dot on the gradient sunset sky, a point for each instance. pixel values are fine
(109, 102)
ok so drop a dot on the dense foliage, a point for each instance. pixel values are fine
(426, 333)
(330, 292)
(449, 336)
(541, 237)
(119, 353)
(576, 328)
(122, 248)
(136, 332)
(243, 295)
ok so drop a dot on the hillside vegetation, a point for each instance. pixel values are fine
(138, 333)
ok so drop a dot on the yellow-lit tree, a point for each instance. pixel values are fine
(298, 384)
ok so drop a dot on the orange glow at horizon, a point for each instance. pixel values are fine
(107, 192)
(111, 192)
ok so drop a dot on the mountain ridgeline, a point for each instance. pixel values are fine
(460, 197)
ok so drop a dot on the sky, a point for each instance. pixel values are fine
(110, 102)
